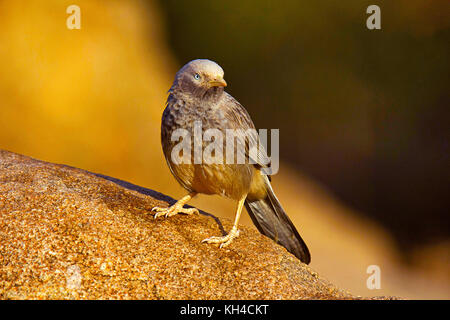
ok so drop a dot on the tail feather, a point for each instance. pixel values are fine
(272, 221)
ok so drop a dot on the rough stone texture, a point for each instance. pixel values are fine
(70, 234)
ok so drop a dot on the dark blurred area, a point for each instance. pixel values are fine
(365, 112)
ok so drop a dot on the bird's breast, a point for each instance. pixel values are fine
(204, 176)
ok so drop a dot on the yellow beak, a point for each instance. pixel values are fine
(217, 83)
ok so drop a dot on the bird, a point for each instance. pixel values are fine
(197, 97)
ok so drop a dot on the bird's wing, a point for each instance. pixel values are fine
(238, 118)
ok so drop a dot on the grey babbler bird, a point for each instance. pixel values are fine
(197, 96)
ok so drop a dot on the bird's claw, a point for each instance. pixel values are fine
(225, 240)
(172, 210)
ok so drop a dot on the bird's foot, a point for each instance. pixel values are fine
(225, 240)
(173, 210)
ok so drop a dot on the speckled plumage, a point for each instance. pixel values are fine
(197, 95)
(180, 113)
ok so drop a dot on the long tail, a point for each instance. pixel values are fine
(271, 220)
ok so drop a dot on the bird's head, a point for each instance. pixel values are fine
(201, 78)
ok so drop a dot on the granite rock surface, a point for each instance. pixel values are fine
(66, 233)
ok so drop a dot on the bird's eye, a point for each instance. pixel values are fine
(197, 76)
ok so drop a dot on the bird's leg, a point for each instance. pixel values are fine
(176, 208)
(234, 232)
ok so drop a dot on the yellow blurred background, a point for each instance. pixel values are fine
(92, 98)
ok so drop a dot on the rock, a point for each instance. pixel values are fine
(66, 233)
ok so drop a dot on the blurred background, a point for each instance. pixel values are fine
(363, 114)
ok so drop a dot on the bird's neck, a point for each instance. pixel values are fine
(210, 96)
(213, 95)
